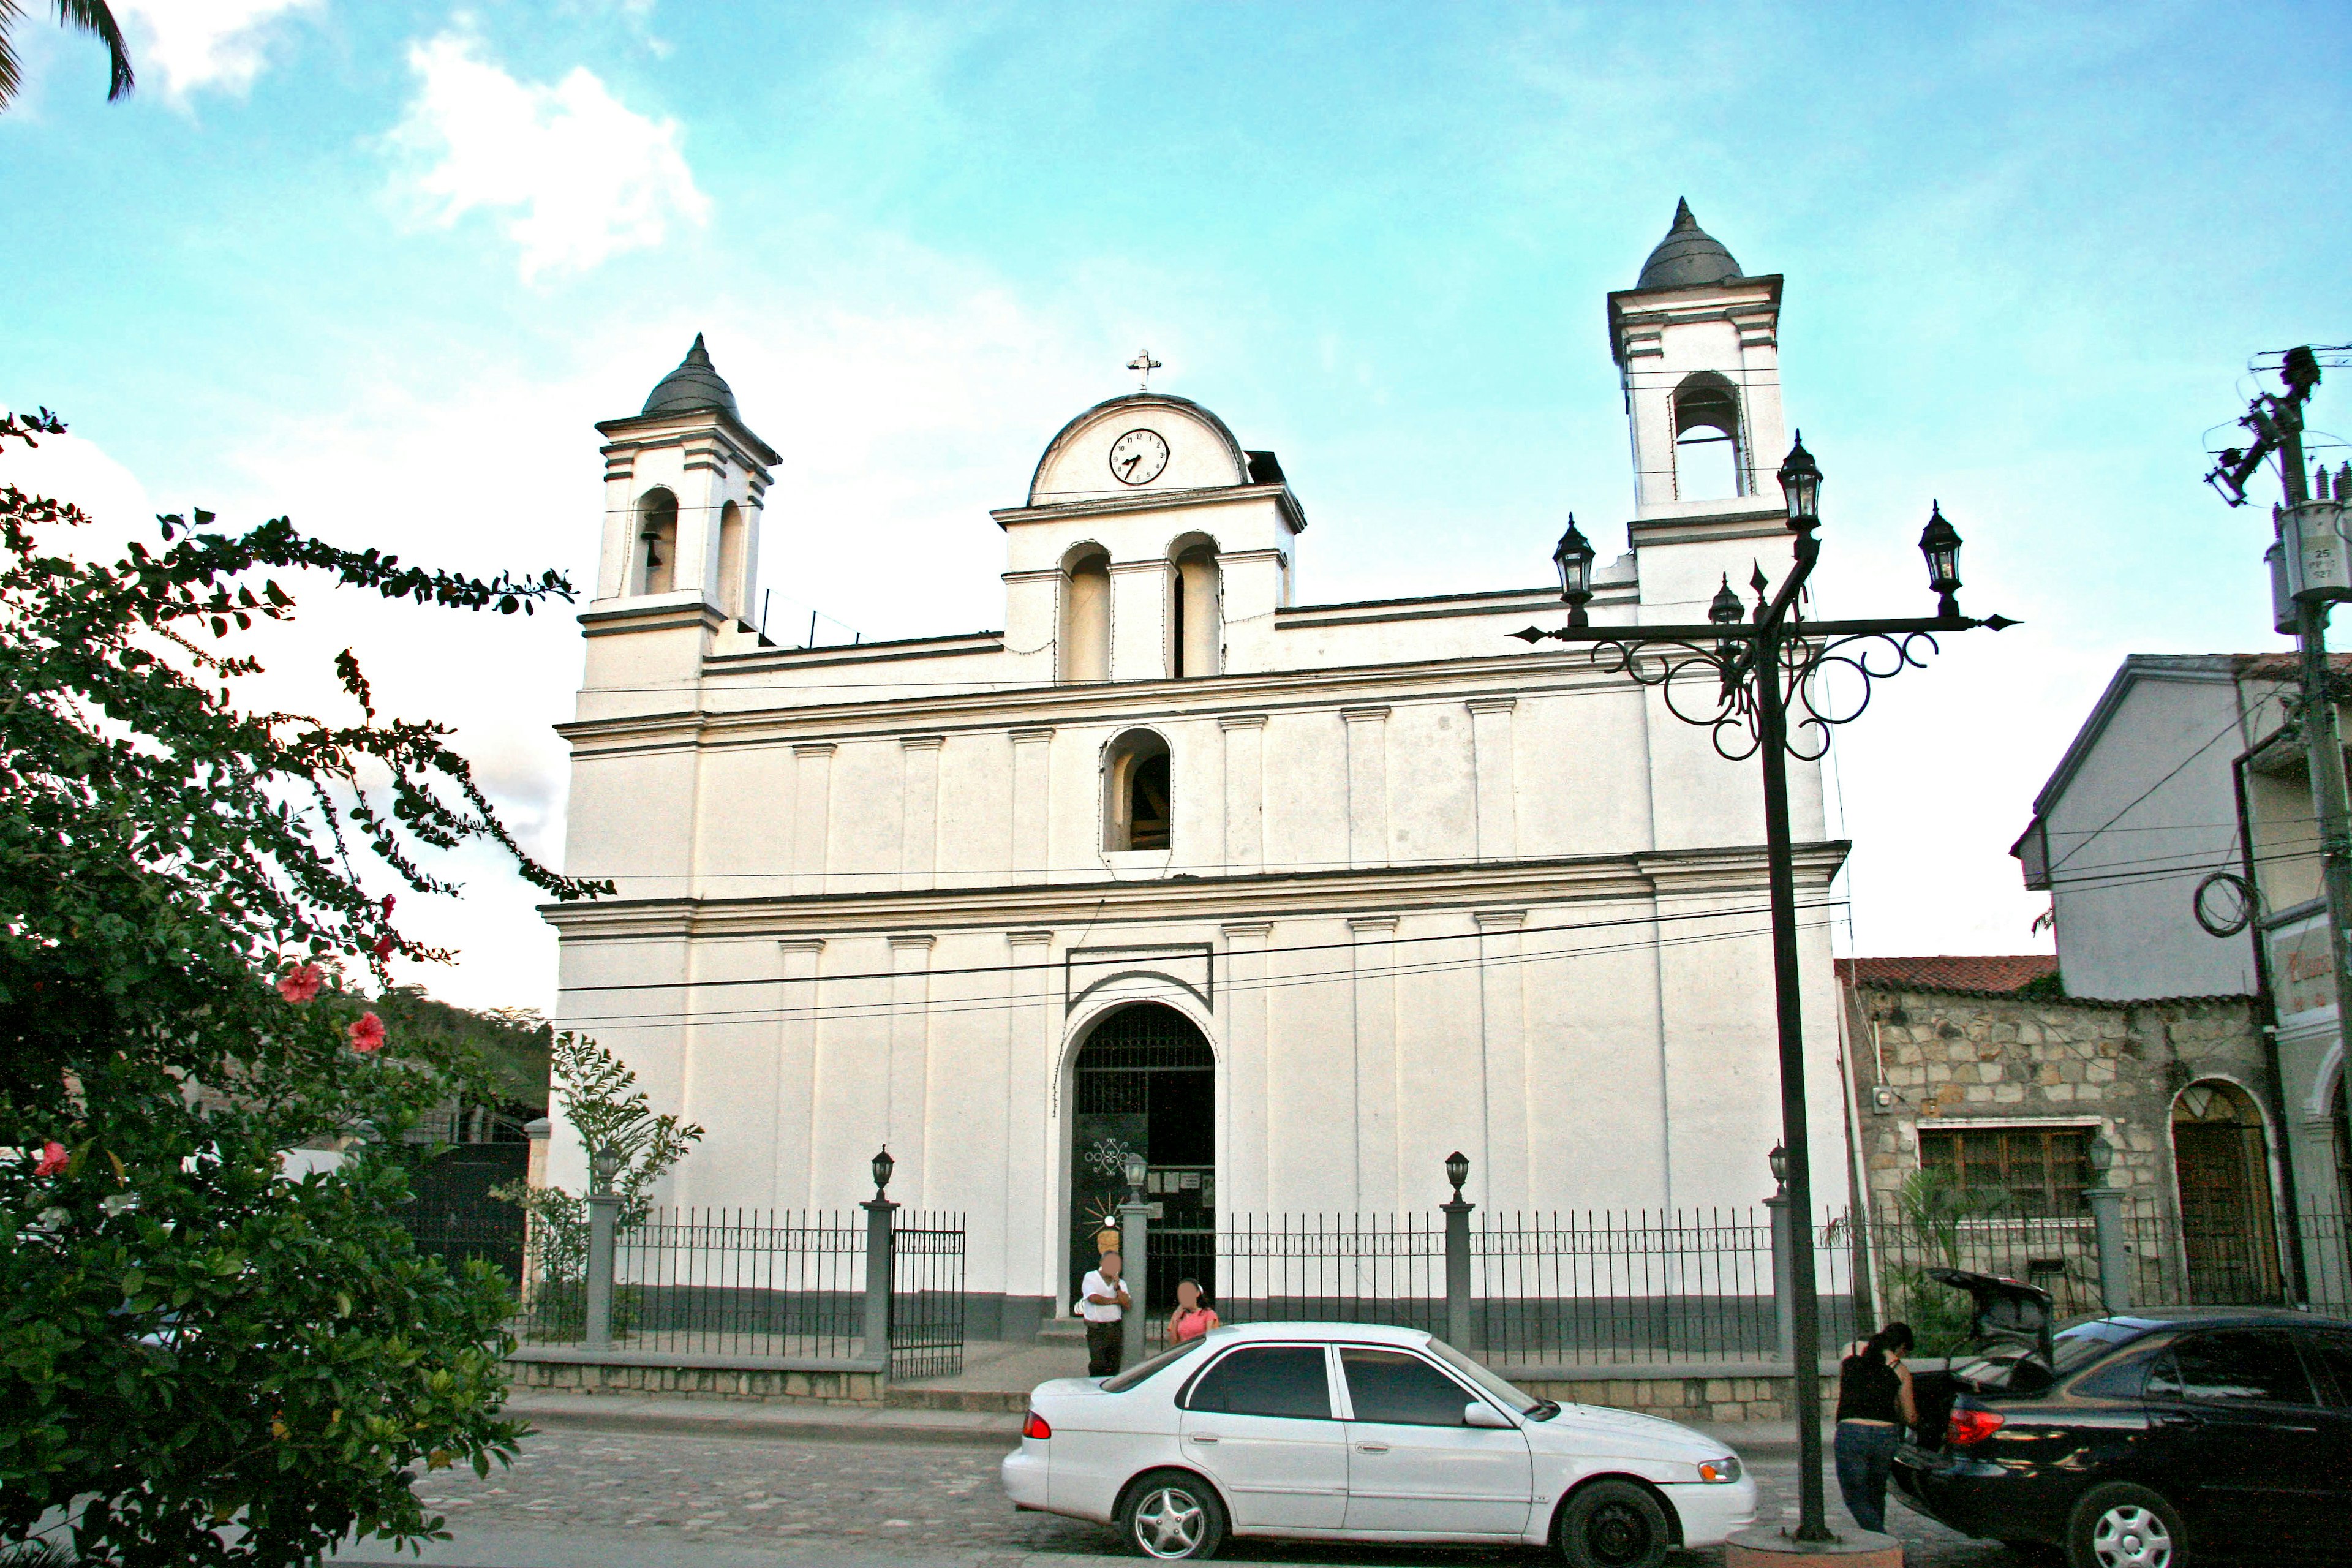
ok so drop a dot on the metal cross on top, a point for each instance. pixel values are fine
(1143, 364)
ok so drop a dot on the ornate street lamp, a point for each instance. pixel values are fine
(883, 1166)
(1800, 484)
(1135, 1170)
(1779, 1159)
(1573, 556)
(1457, 1171)
(1940, 542)
(1755, 682)
(2100, 1155)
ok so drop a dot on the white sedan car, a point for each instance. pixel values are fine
(1348, 1431)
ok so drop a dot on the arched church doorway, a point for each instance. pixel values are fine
(1146, 1083)
(2223, 1161)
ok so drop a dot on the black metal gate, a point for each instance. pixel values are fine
(927, 1296)
(455, 1216)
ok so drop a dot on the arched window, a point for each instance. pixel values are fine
(1710, 459)
(1086, 613)
(732, 589)
(1137, 799)
(657, 558)
(1193, 622)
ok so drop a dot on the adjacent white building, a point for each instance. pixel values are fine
(1295, 897)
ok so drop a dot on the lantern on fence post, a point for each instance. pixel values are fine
(1784, 1261)
(881, 1260)
(1135, 1261)
(883, 1166)
(1460, 1328)
(2107, 1202)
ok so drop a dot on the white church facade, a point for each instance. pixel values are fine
(1296, 898)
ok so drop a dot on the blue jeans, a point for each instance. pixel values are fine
(1866, 1457)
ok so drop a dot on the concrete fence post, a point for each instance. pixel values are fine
(1461, 1333)
(2115, 1258)
(881, 1262)
(1784, 1282)
(603, 1216)
(1134, 1257)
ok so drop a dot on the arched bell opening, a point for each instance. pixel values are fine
(654, 568)
(1710, 447)
(1086, 613)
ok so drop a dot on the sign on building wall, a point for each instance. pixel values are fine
(2301, 971)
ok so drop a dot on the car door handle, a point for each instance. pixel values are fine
(1204, 1436)
(1371, 1447)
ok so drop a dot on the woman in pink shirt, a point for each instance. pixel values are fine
(1192, 1320)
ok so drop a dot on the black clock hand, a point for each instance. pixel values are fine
(1130, 465)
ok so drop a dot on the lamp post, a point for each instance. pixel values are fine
(1459, 1330)
(603, 1216)
(881, 1258)
(2107, 1202)
(1134, 1240)
(1745, 677)
(1784, 1273)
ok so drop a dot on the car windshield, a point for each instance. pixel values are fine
(2083, 1343)
(1144, 1369)
(1502, 1392)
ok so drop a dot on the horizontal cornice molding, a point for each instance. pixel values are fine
(1111, 702)
(1637, 876)
(1158, 500)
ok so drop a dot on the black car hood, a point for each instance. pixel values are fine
(2010, 1313)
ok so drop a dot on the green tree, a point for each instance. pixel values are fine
(205, 1361)
(629, 1144)
(91, 17)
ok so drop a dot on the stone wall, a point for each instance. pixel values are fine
(1958, 1058)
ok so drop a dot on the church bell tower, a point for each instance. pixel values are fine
(1697, 351)
(685, 480)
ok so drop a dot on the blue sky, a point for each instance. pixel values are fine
(382, 266)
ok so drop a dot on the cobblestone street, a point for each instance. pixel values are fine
(603, 1496)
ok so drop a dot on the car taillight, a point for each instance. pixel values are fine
(1035, 1427)
(1968, 1426)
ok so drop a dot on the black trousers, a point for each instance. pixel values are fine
(1106, 1349)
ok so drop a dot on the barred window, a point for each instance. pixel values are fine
(2042, 1169)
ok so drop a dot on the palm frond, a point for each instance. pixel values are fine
(11, 12)
(93, 16)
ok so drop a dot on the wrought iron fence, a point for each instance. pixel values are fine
(927, 1296)
(2326, 1238)
(1630, 1286)
(1633, 1286)
(1338, 1269)
(712, 1281)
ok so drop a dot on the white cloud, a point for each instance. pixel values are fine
(218, 44)
(580, 174)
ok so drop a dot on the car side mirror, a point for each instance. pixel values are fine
(1478, 1413)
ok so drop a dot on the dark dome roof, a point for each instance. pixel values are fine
(1688, 256)
(692, 387)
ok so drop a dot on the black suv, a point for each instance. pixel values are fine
(2140, 1440)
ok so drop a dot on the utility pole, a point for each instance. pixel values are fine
(2314, 571)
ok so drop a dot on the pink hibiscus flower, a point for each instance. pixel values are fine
(301, 984)
(367, 1035)
(53, 1159)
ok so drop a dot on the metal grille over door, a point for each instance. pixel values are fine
(1147, 1084)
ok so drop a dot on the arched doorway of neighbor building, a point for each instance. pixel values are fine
(2223, 1161)
(1146, 1083)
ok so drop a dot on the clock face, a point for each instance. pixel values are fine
(1137, 457)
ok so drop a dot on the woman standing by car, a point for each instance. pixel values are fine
(1191, 1318)
(1875, 1407)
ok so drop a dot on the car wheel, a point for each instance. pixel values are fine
(1613, 1524)
(2123, 1526)
(1173, 1517)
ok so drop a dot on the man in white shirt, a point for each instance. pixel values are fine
(1102, 1302)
